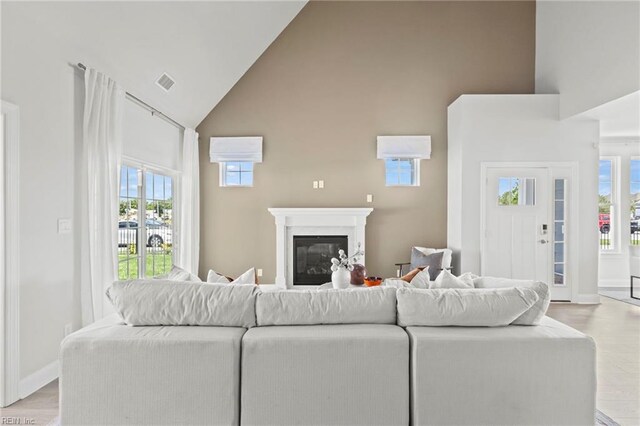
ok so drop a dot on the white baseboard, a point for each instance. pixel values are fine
(588, 299)
(36, 380)
(614, 283)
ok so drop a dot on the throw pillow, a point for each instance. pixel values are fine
(462, 307)
(533, 315)
(411, 274)
(248, 277)
(447, 280)
(433, 261)
(216, 278)
(179, 274)
(422, 279)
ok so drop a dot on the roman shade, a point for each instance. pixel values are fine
(244, 148)
(404, 147)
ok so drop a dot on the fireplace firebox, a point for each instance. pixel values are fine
(312, 257)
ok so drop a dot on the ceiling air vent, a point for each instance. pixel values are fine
(166, 82)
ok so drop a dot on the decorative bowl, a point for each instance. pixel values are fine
(372, 281)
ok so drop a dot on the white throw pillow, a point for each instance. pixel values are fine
(216, 278)
(422, 279)
(395, 283)
(462, 307)
(375, 305)
(534, 315)
(248, 277)
(447, 280)
(179, 274)
(152, 302)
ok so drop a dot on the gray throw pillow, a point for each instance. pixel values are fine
(433, 261)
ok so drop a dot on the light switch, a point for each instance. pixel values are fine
(321, 184)
(64, 226)
(315, 184)
(369, 198)
(259, 272)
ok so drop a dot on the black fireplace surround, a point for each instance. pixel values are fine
(312, 257)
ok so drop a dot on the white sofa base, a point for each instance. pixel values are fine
(346, 374)
(514, 375)
(113, 374)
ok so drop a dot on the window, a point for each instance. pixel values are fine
(515, 191)
(236, 173)
(402, 171)
(634, 199)
(145, 236)
(559, 226)
(606, 203)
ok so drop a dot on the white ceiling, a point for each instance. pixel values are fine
(620, 117)
(205, 46)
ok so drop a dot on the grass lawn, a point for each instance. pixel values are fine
(157, 264)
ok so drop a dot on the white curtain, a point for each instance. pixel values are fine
(189, 209)
(102, 146)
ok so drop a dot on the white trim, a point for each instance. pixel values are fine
(573, 245)
(38, 379)
(9, 286)
(291, 220)
(587, 299)
(613, 282)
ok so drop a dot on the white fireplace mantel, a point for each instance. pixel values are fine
(349, 221)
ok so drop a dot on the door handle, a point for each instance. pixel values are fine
(543, 241)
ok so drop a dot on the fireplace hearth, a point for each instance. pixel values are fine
(312, 257)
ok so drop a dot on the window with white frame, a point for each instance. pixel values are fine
(145, 234)
(606, 203)
(402, 171)
(634, 198)
(236, 173)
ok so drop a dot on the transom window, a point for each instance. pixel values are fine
(402, 171)
(145, 236)
(236, 173)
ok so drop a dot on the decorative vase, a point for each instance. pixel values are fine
(341, 278)
(358, 274)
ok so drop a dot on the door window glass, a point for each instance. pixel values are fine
(516, 191)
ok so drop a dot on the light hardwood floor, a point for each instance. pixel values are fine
(614, 325)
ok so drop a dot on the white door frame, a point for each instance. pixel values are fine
(573, 248)
(9, 284)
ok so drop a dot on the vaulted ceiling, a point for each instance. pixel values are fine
(205, 46)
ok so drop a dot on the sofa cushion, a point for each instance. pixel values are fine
(541, 375)
(462, 307)
(307, 307)
(348, 374)
(115, 374)
(534, 314)
(156, 302)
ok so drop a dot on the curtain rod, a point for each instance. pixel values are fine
(145, 105)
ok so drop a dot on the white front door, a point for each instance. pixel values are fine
(521, 227)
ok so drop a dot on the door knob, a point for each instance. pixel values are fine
(543, 241)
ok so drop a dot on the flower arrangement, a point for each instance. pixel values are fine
(344, 261)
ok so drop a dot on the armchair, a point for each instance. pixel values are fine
(446, 259)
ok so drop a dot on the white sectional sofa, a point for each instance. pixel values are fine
(337, 364)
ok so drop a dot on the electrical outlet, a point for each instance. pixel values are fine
(64, 226)
(369, 198)
(321, 184)
(68, 329)
(259, 272)
(315, 184)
